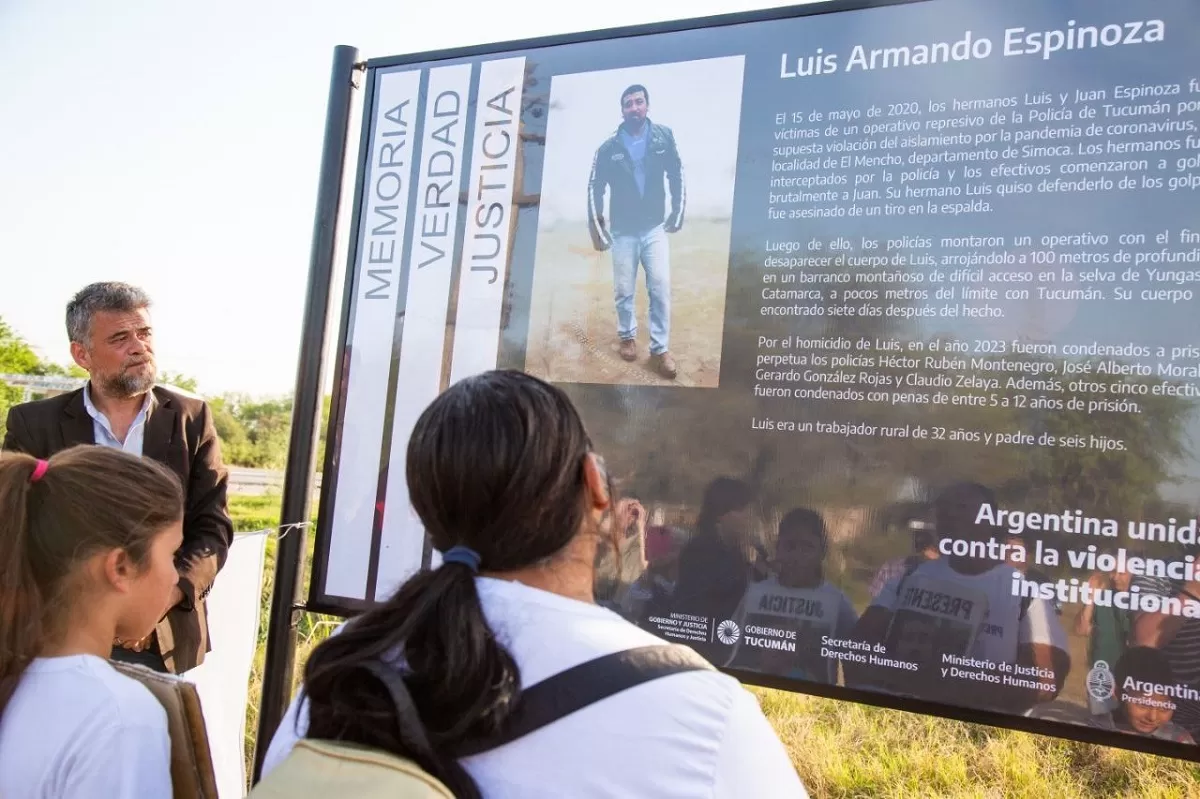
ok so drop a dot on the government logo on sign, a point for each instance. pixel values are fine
(728, 632)
(1101, 684)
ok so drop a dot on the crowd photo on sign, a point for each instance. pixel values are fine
(752, 591)
(803, 402)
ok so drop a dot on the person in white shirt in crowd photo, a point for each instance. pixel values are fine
(502, 474)
(785, 618)
(87, 545)
(963, 606)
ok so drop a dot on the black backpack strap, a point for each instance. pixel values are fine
(412, 729)
(564, 693)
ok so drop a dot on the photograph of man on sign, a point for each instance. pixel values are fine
(634, 225)
(630, 167)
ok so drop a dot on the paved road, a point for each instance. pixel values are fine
(258, 481)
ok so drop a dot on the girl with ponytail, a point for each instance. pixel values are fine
(87, 541)
(501, 472)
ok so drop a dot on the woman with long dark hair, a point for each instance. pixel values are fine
(502, 474)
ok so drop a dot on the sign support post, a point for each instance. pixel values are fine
(306, 410)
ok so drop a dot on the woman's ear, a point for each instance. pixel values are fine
(595, 477)
(116, 569)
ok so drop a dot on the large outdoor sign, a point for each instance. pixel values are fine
(886, 315)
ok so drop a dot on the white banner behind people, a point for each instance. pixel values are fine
(223, 679)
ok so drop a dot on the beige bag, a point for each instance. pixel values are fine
(191, 759)
(329, 769)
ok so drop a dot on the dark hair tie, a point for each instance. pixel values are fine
(463, 555)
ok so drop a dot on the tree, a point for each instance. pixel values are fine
(9, 396)
(255, 433)
(179, 381)
(16, 357)
(235, 444)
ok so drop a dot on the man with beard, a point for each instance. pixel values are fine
(636, 165)
(108, 325)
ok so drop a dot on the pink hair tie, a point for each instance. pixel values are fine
(39, 471)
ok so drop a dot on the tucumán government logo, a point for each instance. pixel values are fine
(728, 632)
(1101, 684)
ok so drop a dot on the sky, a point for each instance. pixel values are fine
(176, 146)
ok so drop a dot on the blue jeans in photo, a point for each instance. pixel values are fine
(652, 251)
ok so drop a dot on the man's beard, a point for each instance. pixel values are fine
(130, 384)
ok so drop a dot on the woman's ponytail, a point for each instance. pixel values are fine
(21, 601)
(495, 471)
(462, 682)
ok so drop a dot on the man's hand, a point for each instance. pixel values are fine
(134, 646)
(598, 241)
(631, 518)
(177, 596)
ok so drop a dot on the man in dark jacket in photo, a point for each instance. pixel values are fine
(636, 166)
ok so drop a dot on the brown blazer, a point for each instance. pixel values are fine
(180, 435)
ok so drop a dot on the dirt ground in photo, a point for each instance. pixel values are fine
(573, 321)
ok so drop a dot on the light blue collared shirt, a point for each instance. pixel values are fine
(103, 429)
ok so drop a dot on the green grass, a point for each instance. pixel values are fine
(849, 751)
(251, 514)
(846, 750)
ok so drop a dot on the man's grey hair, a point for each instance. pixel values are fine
(107, 296)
